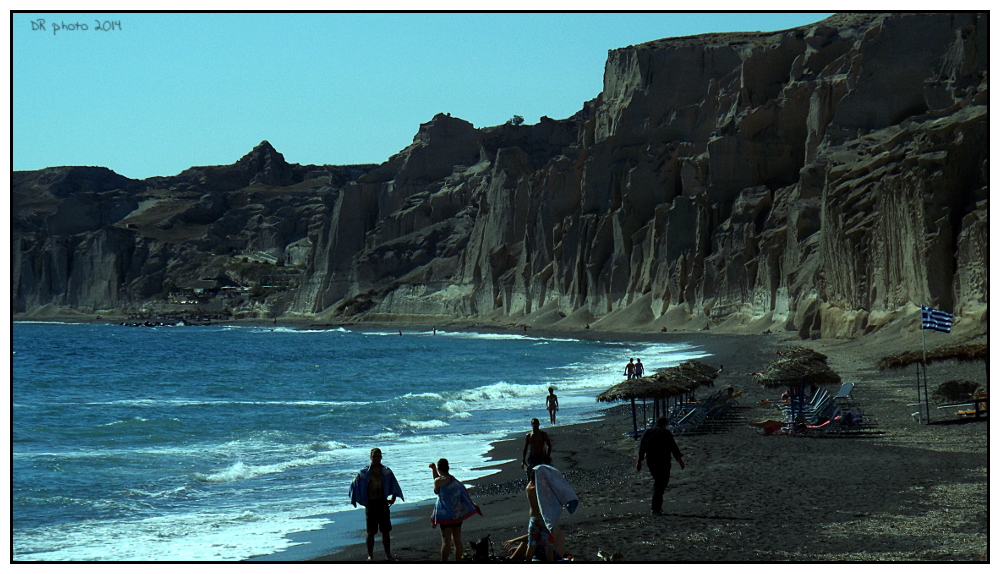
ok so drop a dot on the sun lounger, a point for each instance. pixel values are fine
(690, 421)
(845, 392)
(814, 410)
(974, 408)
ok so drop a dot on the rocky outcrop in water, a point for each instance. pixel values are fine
(825, 180)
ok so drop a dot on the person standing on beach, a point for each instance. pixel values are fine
(630, 369)
(376, 489)
(656, 446)
(639, 369)
(537, 447)
(552, 405)
(452, 507)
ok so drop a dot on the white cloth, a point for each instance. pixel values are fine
(554, 494)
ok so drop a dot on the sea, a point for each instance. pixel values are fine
(225, 443)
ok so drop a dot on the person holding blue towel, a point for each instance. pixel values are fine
(376, 488)
(453, 506)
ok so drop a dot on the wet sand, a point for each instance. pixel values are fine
(903, 491)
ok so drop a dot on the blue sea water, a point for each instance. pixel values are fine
(219, 442)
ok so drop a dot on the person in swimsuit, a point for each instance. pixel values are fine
(552, 405)
(630, 369)
(537, 448)
(639, 369)
(518, 547)
(540, 540)
(376, 489)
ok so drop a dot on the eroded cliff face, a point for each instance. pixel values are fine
(218, 241)
(825, 180)
(817, 180)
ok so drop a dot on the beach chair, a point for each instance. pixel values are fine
(845, 391)
(979, 406)
(682, 420)
(819, 403)
(825, 410)
(690, 422)
(820, 396)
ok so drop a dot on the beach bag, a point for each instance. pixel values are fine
(482, 551)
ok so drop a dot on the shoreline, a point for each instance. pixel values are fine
(497, 494)
(608, 456)
(905, 492)
(912, 492)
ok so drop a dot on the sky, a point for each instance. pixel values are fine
(156, 93)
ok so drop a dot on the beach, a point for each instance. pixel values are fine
(901, 491)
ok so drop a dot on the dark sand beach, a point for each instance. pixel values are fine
(903, 491)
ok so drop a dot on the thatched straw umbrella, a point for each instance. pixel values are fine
(664, 384)
(963, 353)
(802, 353)
(641, 388)
(790, 372)
(900, 360)
(794, 368)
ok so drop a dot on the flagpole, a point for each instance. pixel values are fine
(927, 401)
(923, 345)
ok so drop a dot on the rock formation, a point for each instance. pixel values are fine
(825, 180)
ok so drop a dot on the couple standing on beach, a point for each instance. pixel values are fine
(634, 370)
(375, 487)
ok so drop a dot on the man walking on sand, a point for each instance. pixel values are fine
(537, 448)
(639, 369)
(376, 489)
(656, 446)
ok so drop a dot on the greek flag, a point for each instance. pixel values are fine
(935, 319)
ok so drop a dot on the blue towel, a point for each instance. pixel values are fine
(453, 505)
(359, 487)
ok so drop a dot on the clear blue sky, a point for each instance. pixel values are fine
(168, 91)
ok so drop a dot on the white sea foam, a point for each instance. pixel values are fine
(418, 439)
(131, 420)
(327, 445)
(431, 424)
(197, 536)
(49, 323)
(243, 471)
(202, 402)
(497, 396)
(162, 493)
(506, 337)
(421, 396)
(457, 407)
(297, 331)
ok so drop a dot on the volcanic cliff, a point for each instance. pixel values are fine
(825, 180)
